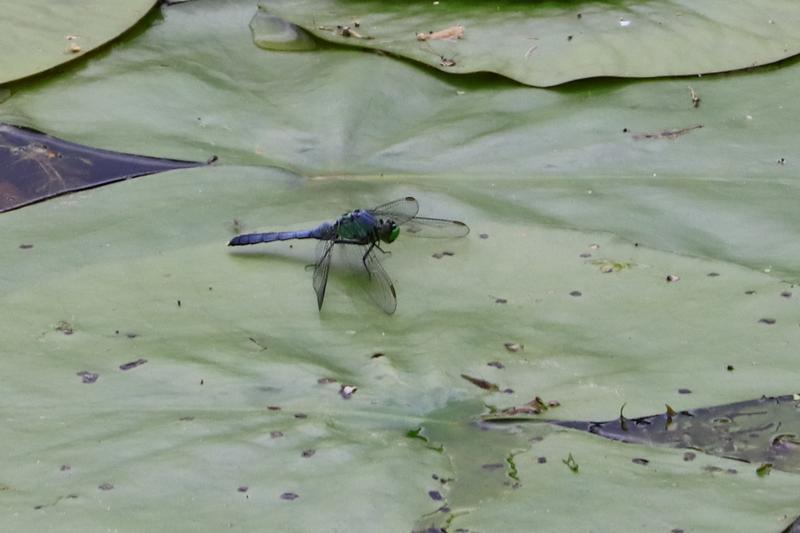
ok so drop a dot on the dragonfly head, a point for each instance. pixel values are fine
(388, 230)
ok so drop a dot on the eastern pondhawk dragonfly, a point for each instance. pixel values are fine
(364, 230)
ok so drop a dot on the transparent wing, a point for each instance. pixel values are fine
(435, 227)
(321, 268)
(401, 211)
(380, 288)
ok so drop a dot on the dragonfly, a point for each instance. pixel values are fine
(364, 231)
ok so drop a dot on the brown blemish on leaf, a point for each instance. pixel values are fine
(132, 364)
(449, 34)
(482, 383)
(666, 134)
(87, 377)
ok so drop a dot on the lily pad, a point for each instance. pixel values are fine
(546, 44)
(38, 35)
(211, 403)
(35, 166)
(567, 156)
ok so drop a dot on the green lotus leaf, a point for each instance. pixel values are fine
(238, 403)
(549, 43)
(154, 377)
(39, 35)
(573, 157)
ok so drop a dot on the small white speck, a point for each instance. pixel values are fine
(749, 117)
(624, 23)
(461, 92)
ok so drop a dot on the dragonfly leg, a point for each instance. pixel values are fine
(378, 246)
(364, 258)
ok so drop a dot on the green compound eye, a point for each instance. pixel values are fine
(395, 232)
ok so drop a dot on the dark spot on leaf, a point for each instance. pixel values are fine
(376, 355)
(576, 293)
(729, 368)
(493, 466)
(553, 403)
(731, 471)
(482, 383)
(437, 256)
(684, 391)
(712, 274)
(64, 327)
(274, 407)
(585, 255)
(508, 391)
(105, 486)
(202, 382)
(513, 346)
(671, 278)
(448, 253)
(132, 364)
(38, 507)
(186, 418)
(541, 460)
(500, 301)
(484, 235)
(640, 461)
(326, 381)
(308, 453)
(65, 468)
(289, 496)
(569, 37)
(300, 415)
(131, 335)
(179, 303)
(768, 321)
(25, 246)
(276, 434)
(87, 377)
(435, 495)
(676, 530)
(243, 488)
(786, 294)
(496, 364)
(689, 456)
(713, 469)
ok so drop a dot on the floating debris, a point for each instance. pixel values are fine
(666, 134)
(88, 377)
(513, 347)
(65, 327)
(571, 463)
(132, 364)
(289, 496)
(449, 34)
(347, 391)
(482, 383)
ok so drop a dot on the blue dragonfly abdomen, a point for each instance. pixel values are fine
(324, 232)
